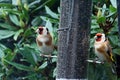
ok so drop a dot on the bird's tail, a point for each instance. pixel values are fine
(113, 67)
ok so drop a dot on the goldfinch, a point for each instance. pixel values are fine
(44, 41)
(103, 49)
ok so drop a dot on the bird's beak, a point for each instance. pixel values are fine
(95, 37)
(36, 31)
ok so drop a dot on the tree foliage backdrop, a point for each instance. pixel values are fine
(19, 54)
(104, 19)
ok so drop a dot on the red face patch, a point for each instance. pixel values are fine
(40, 30)
(98, 39)
(98, 34)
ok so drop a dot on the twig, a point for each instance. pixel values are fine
(94, 61)
(63, 29)
(48, 56)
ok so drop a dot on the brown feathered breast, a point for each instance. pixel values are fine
(44, 43)
(104, 50)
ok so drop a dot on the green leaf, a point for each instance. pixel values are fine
(103, 9)
(59, 10)
(29, 54)
(6, 5)
(6, 34)
(17, 34)
(94, 27)
(52, 20)
(3, 47)
(111, 14)
(12, 11)
(43, 65)
(115, 28)
(18, 66)
(31, 76)
(7, 26)
(112, 9)
(36, 21)
(1, 74)
(52, 14)
(54, 59)
(49, 25)
(22, 24)
(114, 39)
(99, 14)
(32, 4)
(9, 54)
(24, 16)
(43, 18)
(94, 31)
(114, 3)
(101, 20)
(55, 72)
(116, 51)
(14, 19)
(1, 53)
(28, 32)
(14, 2)
(39, 7)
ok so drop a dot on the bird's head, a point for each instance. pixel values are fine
(99, 37)
(42, 30)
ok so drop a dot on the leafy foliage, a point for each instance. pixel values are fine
(19, 53)
(104, 20)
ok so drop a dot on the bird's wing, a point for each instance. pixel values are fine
(109, 49)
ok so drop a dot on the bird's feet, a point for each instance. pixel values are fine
(43, 55)
(96, 60)
(48, 57)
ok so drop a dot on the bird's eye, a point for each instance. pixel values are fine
(47, 29)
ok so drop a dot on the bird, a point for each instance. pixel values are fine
(103, 49)
(44, 41)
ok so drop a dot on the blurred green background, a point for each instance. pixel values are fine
(104, 19)
(19, 54)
